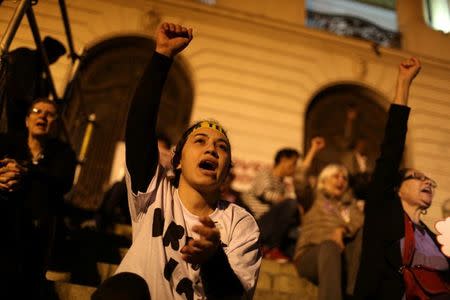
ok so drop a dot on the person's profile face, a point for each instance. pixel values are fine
(417, 189)
(205, 159)
(288, 165)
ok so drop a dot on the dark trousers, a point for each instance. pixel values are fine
(322, 264)
(277, 222)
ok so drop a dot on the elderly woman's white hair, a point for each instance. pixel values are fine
(328, 171)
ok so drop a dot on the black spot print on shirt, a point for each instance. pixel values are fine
(185, 287)
(172, 236)
(169, 268)
(158, 223)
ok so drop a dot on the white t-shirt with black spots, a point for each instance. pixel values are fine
(161, 227)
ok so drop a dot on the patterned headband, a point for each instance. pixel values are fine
(212, 125)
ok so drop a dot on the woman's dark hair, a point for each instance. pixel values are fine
(400, 176)
(179, 148)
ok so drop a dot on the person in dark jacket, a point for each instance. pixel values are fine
(36, 170)
(393, 194)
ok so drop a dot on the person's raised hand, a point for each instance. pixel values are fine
(171, 39)
(408, 69)
(317, 143)
(198, 251)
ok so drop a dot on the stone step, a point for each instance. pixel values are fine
(70, 291)
(106, 270)
(281, 281)
(276, 282)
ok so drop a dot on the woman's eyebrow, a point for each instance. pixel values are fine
(200, 134)
(223, 140)
(205, 135)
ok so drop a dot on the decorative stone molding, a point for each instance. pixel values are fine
(354, 27)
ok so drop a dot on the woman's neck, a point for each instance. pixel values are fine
(199, 204)
(35, 145)
(329, 196)
(413, 212)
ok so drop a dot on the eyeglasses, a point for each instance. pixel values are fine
(49, 114)
(421, 177)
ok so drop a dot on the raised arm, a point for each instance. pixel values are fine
(407, 71)
(140, 137)
(380, 204)
(300, 179)
(395, 133)
(317, 144)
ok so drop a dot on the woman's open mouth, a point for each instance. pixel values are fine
(208, 165)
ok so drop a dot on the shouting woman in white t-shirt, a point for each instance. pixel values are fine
(187, 243)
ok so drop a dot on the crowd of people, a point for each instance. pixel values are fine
(353, 229)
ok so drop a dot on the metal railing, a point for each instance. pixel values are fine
(13, 25)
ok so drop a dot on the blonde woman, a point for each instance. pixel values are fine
(333, 218)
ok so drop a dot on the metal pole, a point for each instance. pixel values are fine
(37, 39)
(41, 49)
(63, 7)
(5, 42)
(13, 26)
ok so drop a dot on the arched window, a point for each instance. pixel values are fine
(103, 85)
(328, 116)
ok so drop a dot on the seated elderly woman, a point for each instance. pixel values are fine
(333, 219)
(400, 256)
